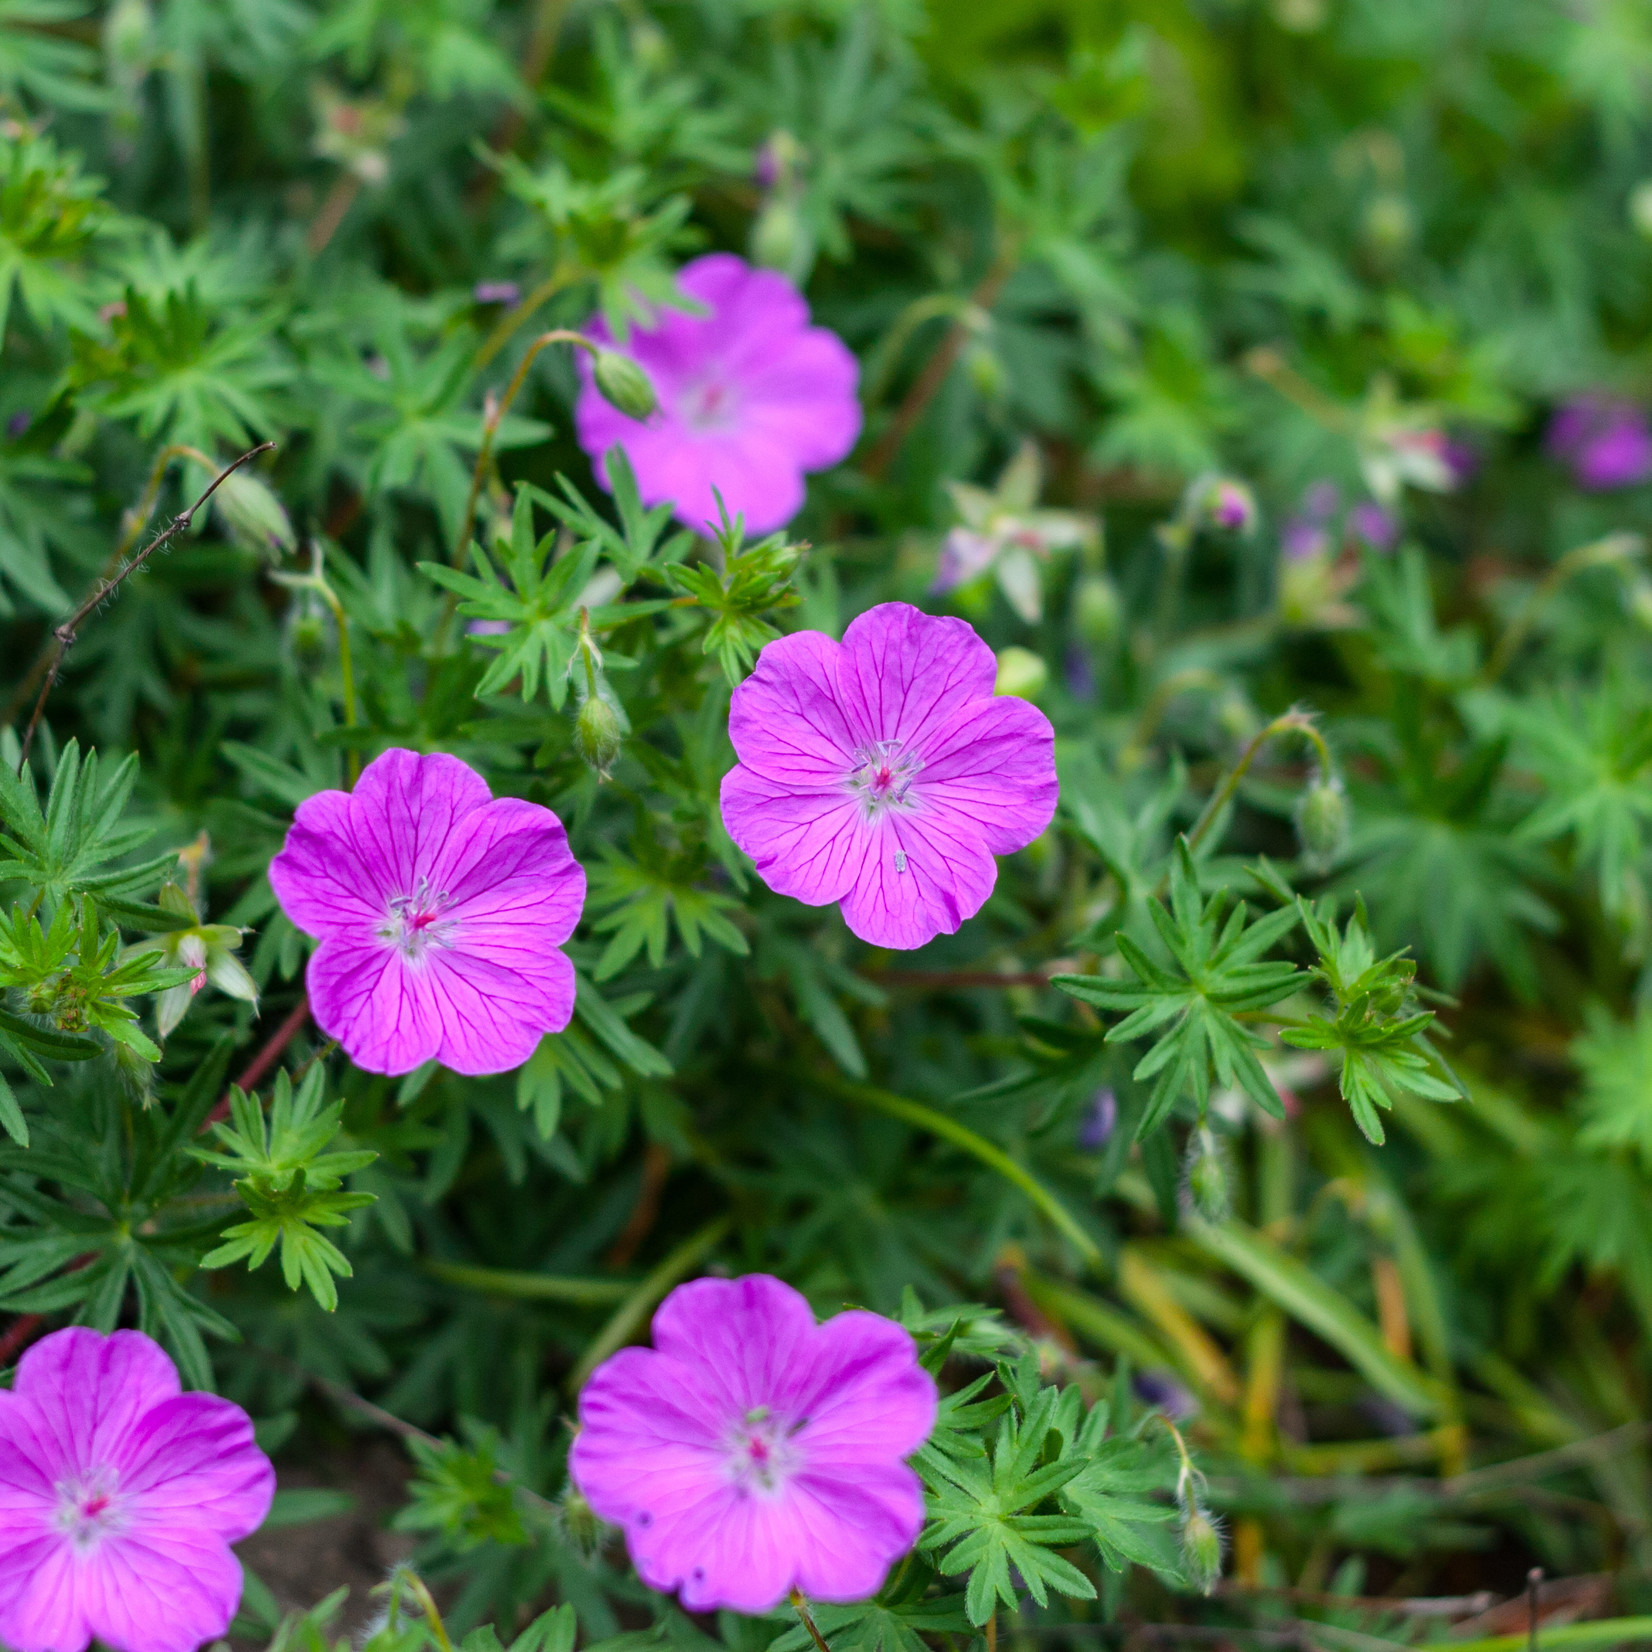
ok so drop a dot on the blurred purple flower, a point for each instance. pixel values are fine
(1100, 1121)
(883, 772)
(119, 1498)
(750, 397)
(1164, 1393)
(18, 423)
(1376, 527)
(1319, 503)
(496, 292)
(1604, 440)
(488, 628)
(1080, 675)
(751, 1452)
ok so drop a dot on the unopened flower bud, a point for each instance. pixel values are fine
(1021, 673)
(309, 634)
(579, 1521)
(1322, 819)
(1388, 224)
(1097, 609)
(1640, 207)
(253, 516)
(780, 236)
(1207, 1176)
(1201, 1549)
(624, 385)
(985, 369)
(1229, 505)
(128, 40)
(599, 731)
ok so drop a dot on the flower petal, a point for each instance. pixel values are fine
(905, 674)
(993, 768)
(805, 844)
(496, 994)
(193, 1461)
(166, 1592)
(379, 1009)
(321, 877)
(785, 720)
(406, 807)
(511, 866)
(920, 874)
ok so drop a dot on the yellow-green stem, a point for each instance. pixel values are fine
(490, 429)
(1612, 551)
(563, 276)
(801, 1607)
(631, 1313)
(1290, 722)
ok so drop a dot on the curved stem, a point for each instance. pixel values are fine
(109, 584)
(801, 1607)
(491, 420)
(630, 1313)
(1290, 722)
(887, 355)
(1613, 551)
(977, 1146)
(563, 276)
(529, 1287)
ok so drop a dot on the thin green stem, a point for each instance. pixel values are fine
(1290, 722)
(492, 419)
(316, 580)
(642, 1298)
(415, 1586)
(1614, 551)
(977, 1146)
(530, 1287)
(563, 276)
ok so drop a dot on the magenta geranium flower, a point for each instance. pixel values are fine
(750, 397)
(439, 909)
(119, 1498)
(1605, 440)
(883, 773)
(751, 1451)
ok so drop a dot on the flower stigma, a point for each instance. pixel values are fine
(90, 1509)
(415, 923)
(885, 775)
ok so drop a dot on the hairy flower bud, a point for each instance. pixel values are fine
(1097, 610)
(624, 385)
(1228, 505)
(1322, 819)
(253, 516)
(1021, 673)
(986, 370)
(599, 730)
(780, 236)
(1201, 1539)
(1207, 1175)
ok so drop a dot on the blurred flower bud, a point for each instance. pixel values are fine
(624, 385)
(1097, 609)
(1388, 224)
(1207, 1176)
(578, 1520)
(1228, 505)
(985, 369)
(1201, 1541)
(309, 632)
(1299, 16)
(780, 236)
(1322, 820)
(129, 42)
(600, 730)
(254, 518)
(1021, 673)
(1639, 599)
(1640, 207)
(496, 292)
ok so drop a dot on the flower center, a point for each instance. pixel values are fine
(884, 775)
(414, 923)
(91, 1508)
(762, 1455)
(708, 405)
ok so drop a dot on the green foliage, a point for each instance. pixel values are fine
(1096, 263)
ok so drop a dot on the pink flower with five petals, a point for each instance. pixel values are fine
(883, 773)
(439, 909)
(751, 1452)
(119, 1498)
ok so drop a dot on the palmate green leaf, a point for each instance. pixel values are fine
(1193, 1007)
(1615, 1058)
(754, 582)
(1377, 1035)
(635, 543)
(643, 901)
(36, 59)
(1592, 751)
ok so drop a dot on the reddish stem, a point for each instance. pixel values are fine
(265, 1059)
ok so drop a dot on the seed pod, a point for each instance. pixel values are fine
(624, 385)
(1207, 1175)
(1322, 820)
(1097, 609)
(1201, 1548)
